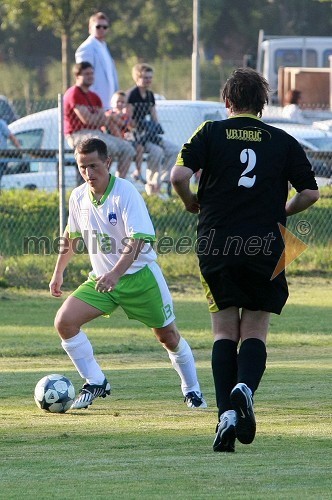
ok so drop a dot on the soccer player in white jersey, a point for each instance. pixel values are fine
(111, 217)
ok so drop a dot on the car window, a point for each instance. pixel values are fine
(16, 167)
(30, 139)
(293, 57)
(326, 54)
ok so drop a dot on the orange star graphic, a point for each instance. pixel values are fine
(293, 248)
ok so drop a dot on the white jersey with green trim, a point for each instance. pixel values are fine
(106, 225)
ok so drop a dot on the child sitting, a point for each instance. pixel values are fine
(124, 125)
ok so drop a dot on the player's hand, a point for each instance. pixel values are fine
(55, 285)
(192, 204)
(106, 282)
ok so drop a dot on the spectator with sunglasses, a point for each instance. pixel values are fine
(95, 51)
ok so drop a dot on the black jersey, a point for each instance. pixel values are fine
(246, 165)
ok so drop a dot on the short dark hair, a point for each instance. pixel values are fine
(91, 145)
(246, 90)
(79, 67)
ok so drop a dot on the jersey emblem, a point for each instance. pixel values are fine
(112, 218)
(84, 217)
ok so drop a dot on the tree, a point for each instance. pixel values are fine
(155, 29)
(149, 29)
(63, 17)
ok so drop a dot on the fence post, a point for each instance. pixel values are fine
(61, 164)
(195, 67)
(330, 89)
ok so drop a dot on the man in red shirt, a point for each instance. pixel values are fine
(84, 117)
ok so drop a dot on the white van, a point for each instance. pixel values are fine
(297, 51)
(178, 118)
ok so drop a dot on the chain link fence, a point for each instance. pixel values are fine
(29, 180)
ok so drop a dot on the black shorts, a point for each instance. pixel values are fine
(245, 282)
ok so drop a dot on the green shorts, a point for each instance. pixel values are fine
(143, 296)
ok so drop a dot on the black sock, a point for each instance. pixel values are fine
(224, 369)
(251, 362)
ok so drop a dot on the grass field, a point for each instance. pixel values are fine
(143, 442)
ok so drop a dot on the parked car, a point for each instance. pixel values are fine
(311, 115)
(180, 118)
(317, 144)
(39, 131)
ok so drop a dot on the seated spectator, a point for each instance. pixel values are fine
(84, 117)
(292, 110)
(125, 126)
(141, 107)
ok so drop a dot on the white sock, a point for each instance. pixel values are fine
(80, 351)
(183, 362)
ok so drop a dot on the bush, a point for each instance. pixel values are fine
(24, 214)
(180, 271)
(35, 271)
(170, 218)
(29, 221)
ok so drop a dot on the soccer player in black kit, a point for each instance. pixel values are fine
(242, 205)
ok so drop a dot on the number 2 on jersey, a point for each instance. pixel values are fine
(247, 155)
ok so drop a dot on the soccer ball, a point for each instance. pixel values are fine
(54, 393)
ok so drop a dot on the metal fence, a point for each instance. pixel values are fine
(29, 176)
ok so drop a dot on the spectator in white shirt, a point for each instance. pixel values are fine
(292, 110)
(95, 51)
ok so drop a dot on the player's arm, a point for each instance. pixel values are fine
(190, 159)
(301, 201)
(301, 176)
(67, 250)
(180, 178)
(130, 252)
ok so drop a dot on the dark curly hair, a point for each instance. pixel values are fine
(246, 90)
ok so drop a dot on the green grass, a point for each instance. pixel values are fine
(143, 442)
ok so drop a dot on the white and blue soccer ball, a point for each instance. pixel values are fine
(54, 393)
